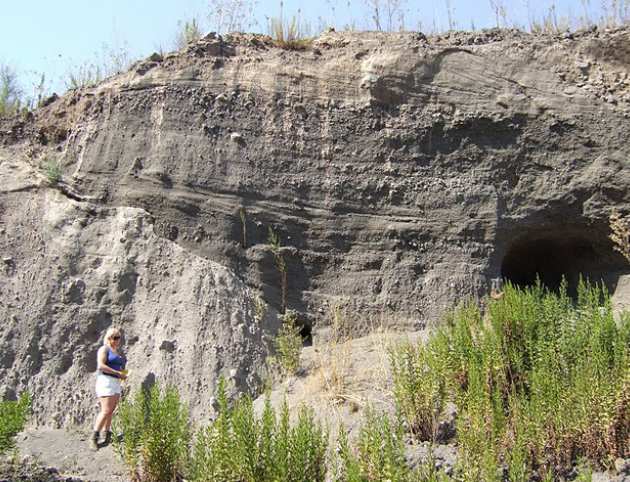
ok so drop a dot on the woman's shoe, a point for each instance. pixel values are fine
(108, 437)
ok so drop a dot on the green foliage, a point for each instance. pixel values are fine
(380, 455)
(381, 449)
(288, 343)
(156, 435)
(420, 381)
(539, 381)
(13, 416)
(52, 171)
(239, 446)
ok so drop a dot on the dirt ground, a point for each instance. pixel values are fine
(70, 453)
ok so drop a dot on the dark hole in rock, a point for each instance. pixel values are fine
(168, 346)
(556, 256)
(307, 334)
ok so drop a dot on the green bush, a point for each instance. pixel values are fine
(52, 171)
(13, 416)
(420, 377)
(381, 451)
(155, 435)
(539, 381)
(379, 455)
(289, 343)
(238, 446)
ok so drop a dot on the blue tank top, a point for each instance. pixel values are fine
(117, 362)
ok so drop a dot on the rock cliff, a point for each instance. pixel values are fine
(401, 173)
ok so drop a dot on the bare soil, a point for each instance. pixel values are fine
(69, 453)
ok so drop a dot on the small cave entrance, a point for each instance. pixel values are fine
(306, 332)
(553, 256)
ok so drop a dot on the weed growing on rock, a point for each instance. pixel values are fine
(110, 60)
(52, 171)
(187, 32)
(155, 435)
(241, 446)
(13, 416)
(288, 344)
(290, 35)
(539, 382)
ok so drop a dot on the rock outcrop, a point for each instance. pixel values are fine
(401, 173)
(72, 269)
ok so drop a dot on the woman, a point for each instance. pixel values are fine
(110, 366)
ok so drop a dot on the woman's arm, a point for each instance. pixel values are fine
(101, 363)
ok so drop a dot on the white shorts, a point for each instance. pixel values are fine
(107, 386)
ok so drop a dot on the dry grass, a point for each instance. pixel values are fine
(355, 371)
(290, 35)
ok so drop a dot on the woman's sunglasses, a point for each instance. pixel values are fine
(116, 337)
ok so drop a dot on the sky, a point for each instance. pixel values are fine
(57, 37)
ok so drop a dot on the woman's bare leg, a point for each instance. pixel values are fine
(102, 416)
(113, 402)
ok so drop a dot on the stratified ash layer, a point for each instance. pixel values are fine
(401, 173)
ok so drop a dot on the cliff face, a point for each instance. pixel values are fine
(401, 174)
(72, 269)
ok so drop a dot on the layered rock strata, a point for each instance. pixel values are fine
(400, 173)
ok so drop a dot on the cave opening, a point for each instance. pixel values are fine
(552, 257)
(306, 332)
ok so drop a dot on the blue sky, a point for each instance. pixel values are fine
(53, 36)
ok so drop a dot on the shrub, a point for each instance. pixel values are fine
(288, 343)
(238, 446)
(52, 171)
(380, 455)
(381, 451)
(539, 382)
(155, 435)
(419, 376)
(13, 416)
